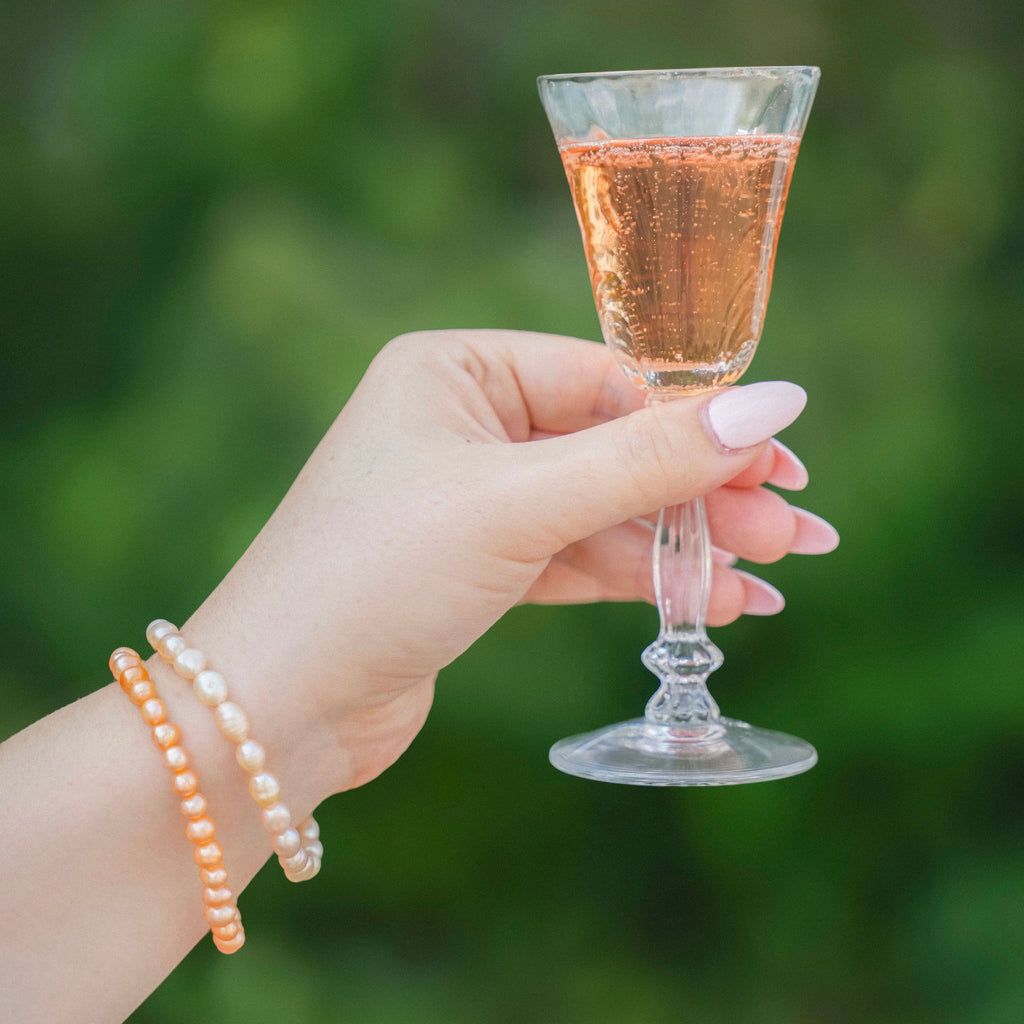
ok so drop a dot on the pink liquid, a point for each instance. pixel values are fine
(680, 238)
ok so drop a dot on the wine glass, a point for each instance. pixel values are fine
(679, 179)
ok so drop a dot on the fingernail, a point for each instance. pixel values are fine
(742, 416)
(788, 472)
(762, 598)
(814, 535)
(722, 557)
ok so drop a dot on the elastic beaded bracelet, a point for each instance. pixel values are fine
(220, 909)
(298, 847)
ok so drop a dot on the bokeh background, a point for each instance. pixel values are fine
(213, 215)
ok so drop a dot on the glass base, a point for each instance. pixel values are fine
(640, 754)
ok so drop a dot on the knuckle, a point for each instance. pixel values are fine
(651, 456)
(403, 347)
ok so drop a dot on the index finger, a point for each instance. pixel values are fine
(566, 384)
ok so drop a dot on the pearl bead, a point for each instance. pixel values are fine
(217, 897)
(185, 783)
(141, 691)
(264, 789)
(157, 630)
(287, 843)
(169, 646)
(220, 915)
(189, 663)
(311, 869)
(226, 931)
(309, 829)
(176, 759)
(276, 818)
(123, 657)
(153, 711)
(314, 849)
(209, 855)
(214, 878)
(296, 862)
(194, 806)
(165, 734)
(121, 666)
(199, 830)
(210, 688)
(132, 674)
(232, 721)
(251, 756)
(230, 945)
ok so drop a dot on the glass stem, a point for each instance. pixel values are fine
(683, 657)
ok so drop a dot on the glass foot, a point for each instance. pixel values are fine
(640, 754)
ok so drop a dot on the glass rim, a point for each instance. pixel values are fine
(733, 72)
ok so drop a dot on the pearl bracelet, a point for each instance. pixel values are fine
(298, 847)
(221, 910)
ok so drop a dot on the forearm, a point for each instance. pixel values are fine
(101, 896)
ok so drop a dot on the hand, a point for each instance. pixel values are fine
(472, 470)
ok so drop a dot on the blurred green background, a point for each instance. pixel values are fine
(214, 214)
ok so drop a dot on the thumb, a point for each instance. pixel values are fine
(668, 452)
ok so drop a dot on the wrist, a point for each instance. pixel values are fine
(273, 688)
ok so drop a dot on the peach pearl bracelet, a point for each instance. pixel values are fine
(221, 910)
(298, 847)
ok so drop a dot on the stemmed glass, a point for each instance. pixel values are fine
(679, 179)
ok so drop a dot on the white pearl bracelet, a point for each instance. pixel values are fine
(298, 847)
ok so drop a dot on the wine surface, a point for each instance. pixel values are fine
(680, 238)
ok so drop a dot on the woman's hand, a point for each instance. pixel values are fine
(470, 471)
(473, 470)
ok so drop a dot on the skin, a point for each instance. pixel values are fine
(481, 469)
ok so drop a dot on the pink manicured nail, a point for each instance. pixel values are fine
(741, 416)
(762, 598)
(814, 536)
(788, 472)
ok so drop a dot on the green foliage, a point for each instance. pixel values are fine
(214, 215)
